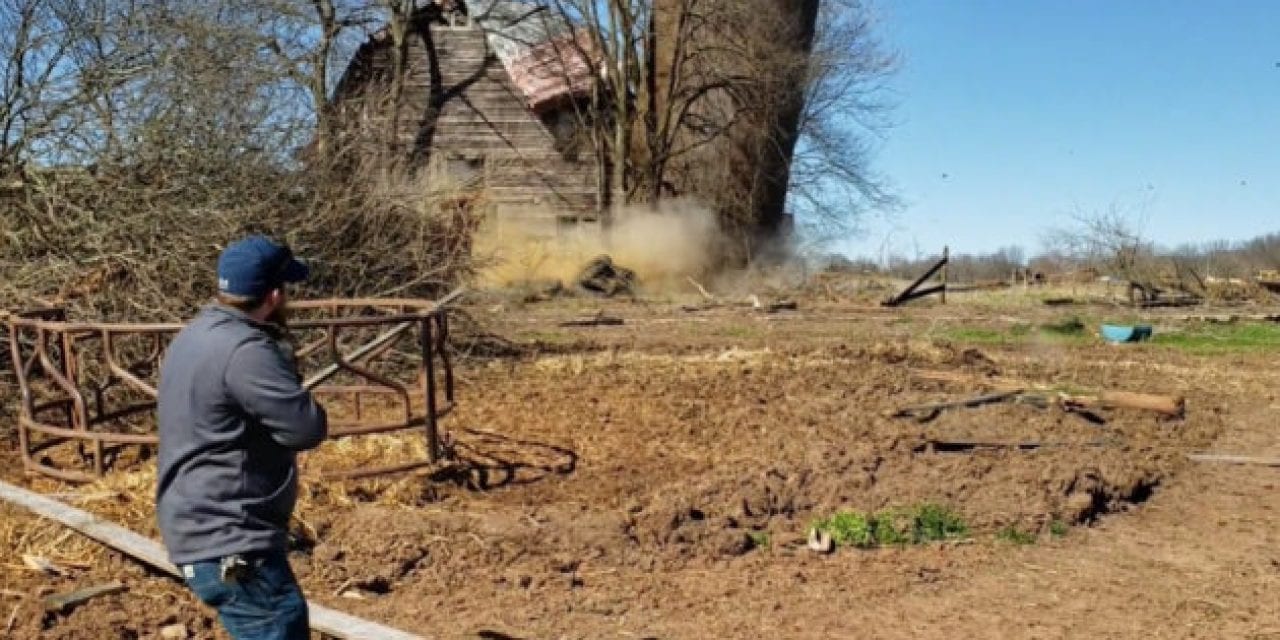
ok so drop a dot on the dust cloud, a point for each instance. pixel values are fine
(662, 246)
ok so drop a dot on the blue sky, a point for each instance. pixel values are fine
(1012, 114)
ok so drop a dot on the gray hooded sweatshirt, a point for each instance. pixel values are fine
(233, 414)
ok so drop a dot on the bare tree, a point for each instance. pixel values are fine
(1109, 240)
(845, 110)
(38, 85)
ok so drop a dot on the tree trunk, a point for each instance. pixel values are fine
(776, 140)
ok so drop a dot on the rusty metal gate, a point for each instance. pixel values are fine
(88, 389)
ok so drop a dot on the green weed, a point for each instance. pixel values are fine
(1058, 528)
(760, 539)
(936, 522)
(1013, 535)
(893, 527)
(848, 528)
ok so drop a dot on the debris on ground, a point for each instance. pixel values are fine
(68, 601)
(602, 277)
(598, 320)
(820, 541)
(42, 565)
(1169, 406)
(174, 632)
(541, 290)
(752, 301)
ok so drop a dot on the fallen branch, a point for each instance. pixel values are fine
(1222, 458)
(148, 551)
(927, 412)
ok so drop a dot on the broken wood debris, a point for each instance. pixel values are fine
(1223, 458)
(323, 619)
(64, 603)
(701, 289)
(598, 320)
(42, 565)
(927, 412)
(1171, 406)
(964, 446)
(913, 291)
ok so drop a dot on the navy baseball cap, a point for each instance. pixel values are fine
(253, 266)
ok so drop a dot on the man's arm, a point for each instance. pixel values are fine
(260, 378)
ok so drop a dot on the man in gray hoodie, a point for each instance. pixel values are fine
(233, 415)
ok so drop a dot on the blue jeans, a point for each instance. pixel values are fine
(266, 604)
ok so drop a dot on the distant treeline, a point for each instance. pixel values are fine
(1222, 259)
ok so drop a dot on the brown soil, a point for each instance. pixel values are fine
(625, 484)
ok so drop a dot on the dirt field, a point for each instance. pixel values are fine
(657, 480)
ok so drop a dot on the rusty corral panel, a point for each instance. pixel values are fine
(88, 389)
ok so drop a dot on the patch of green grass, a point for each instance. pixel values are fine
(545, 337)
(760, 539)
(1058, 528)
(1013, 535)
(936, 522)
(1217, 339)
(739, 331)
(976, 335)
(848, 528)
(894, 527)
(891, 528)
(1017, 334)
(1072, 326)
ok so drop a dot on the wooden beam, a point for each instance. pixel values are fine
(150, 552)
(1171, 406)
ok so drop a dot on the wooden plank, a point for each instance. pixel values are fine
(323, 619)
(1222, 458)
(1167, 405)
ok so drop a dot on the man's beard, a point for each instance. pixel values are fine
(280, 316)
